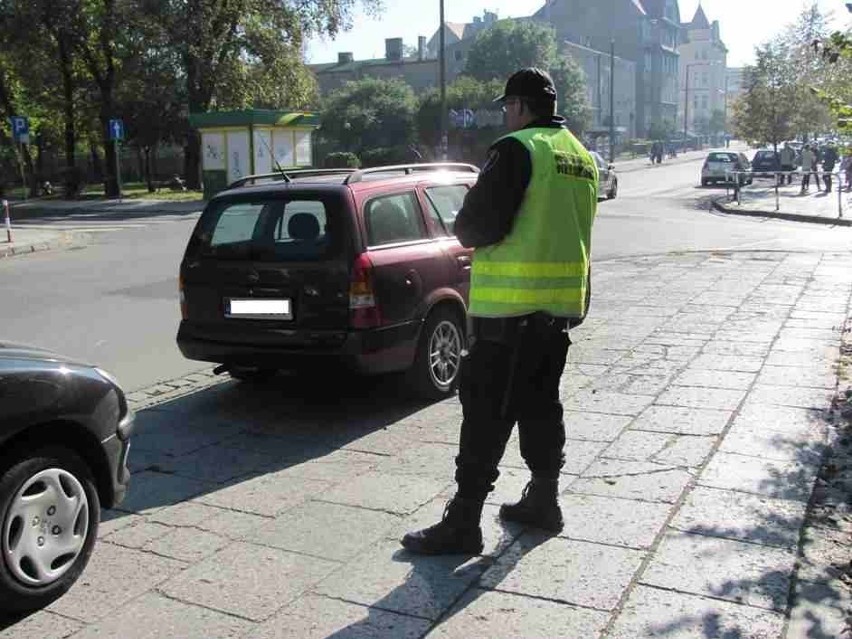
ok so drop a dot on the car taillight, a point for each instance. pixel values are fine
(183, 312)
(363, 310)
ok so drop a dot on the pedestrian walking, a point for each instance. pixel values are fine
(829, 160)
(529, 216)
(788, 163)
(846, 168)
(809, 167)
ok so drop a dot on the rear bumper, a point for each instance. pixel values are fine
(373, 351)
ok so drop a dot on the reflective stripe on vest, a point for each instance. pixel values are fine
(543, 264)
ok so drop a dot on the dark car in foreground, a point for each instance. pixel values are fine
(315, 269)
(766, 163)
(64, 437)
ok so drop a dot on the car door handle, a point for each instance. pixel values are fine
(464, 261)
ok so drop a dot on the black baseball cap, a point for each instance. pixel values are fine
(531, 82)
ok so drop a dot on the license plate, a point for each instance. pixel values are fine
(258, 309)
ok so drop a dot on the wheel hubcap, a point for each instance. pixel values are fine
(45, 527)
(445, 348)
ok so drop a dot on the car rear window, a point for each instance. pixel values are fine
(721, 157)
(269, 229)
(765, 155)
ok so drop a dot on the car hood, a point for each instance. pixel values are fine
(12, 350)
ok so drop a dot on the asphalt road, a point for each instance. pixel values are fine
(114, 302)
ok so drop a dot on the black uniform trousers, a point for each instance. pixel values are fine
(511, 374)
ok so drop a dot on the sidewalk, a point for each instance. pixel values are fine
(639, 163)
(25, 241)
(698, 399)
(759, 199)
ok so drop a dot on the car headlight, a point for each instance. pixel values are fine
(108, 377)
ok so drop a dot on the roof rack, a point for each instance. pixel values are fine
(408, 169)
(286, 176)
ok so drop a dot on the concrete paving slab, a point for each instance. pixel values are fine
(265, 494)
(153, 491)
(316, 617)
(114, 576)
(742, 517)
(632, 480)
(114, 520)
(187, 513)
(622, 381)
(821, 610)
(607, 402)
(399, 494)
(219, 464)
(782, 376)
(732, 570)
(799, 397)
(42, 625)
(234, 525)
(616, 522)
(700, 397)
(650, 612)
(325, 530)
(187, 544)
(153, 616)
(796, 444)
(434, 460)
(714, 379)
(594, 426)
(765, 477)
(576, 572)
(682, 420)
(826, 554)
(787, 419)
(498, 615)
(741, 364)
(390, 578)
(138, 534)
(578, 455)
(664, 448)
(248, 580)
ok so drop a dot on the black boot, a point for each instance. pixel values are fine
(457, 533)
(538, 506)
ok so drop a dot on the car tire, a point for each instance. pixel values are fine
(252, 375)
(613, 192)
(62, 506)
(435, 372)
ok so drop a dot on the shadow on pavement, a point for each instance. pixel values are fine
(823, 578)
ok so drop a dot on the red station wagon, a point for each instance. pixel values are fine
(315, 268)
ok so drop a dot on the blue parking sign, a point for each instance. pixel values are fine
(20, 127)
(116, 130)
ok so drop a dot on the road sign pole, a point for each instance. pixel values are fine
(117, 169)
(21, 167)
(8, 221)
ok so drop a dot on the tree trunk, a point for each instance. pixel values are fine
(148, 176)
(192, 161)
(68, 108)
(97, 168)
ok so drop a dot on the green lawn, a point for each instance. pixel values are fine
(139, 191)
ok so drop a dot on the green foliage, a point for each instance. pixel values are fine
(570, 81)
(717, 123)
(508, 46)
(384, 156)
(464, 93)
(661, 130)
(341, 160)
(370, 113)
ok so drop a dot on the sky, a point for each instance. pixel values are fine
(743, 23)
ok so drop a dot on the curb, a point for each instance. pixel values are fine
(646, 166)
(792, 217)
(65, 240)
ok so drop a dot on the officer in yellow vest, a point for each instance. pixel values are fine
(529, 217)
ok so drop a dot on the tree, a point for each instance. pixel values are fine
(243, 52)
(370, 113)
(766, 111)
(661, 130)
(570, 81)
(508, 46)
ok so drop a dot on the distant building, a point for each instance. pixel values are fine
(703, 73)
(419, 71)
(645, 32)
(737, 84)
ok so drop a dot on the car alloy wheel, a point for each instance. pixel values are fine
(445, 347)
(46, 527)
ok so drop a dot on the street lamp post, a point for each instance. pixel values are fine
(443, 81)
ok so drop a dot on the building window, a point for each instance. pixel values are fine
(457, 55)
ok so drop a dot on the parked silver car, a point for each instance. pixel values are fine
(607, 178)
